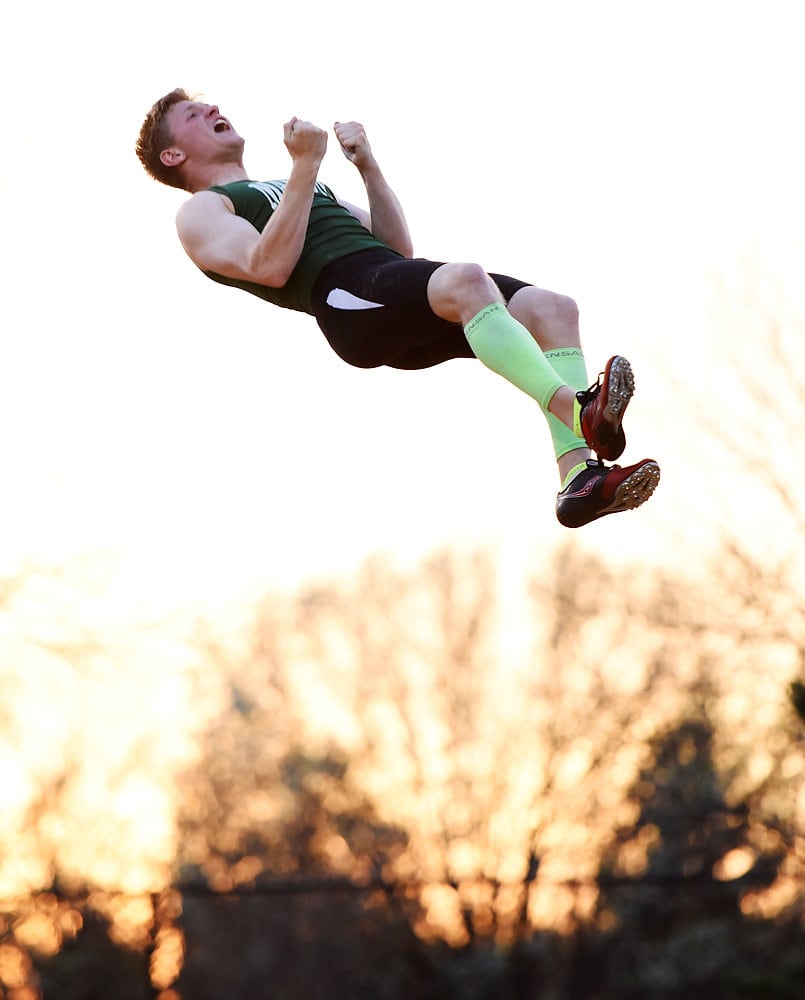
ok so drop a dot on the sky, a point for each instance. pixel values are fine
(197, 446)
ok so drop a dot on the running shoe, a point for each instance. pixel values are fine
(603, 406)
(600, 489)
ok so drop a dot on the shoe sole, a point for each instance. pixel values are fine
(634, 490)
(620, 389)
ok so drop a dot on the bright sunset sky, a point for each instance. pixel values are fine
(202, 445)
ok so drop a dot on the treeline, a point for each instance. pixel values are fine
(396, 805)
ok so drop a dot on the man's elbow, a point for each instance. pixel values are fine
(271, 273)
(276, 277)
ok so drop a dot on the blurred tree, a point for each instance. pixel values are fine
(395, 796)
(93, 967)
(798, 698)
(669, 921)
(93, 729)
(760, 577)
(491, 768)
(284, 874)
(491, 764)
(756, 455)
(765, 372)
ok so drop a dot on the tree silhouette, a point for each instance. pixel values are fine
(284, 884)
(671, 902)
(397, 798)
(764, 373)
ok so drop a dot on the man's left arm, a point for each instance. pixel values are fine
(386, 219)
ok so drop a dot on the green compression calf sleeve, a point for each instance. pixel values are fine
(505, 346)
(569, 364)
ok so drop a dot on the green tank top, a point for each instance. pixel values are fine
(332, 232)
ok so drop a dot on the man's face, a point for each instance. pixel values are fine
(201, 132)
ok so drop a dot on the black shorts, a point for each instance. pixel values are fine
(372, 307)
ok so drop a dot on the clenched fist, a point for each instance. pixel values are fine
(354, 144)
(305, 140)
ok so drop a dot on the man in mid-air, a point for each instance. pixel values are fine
(294, 244)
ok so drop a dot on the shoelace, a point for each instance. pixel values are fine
(585, 396)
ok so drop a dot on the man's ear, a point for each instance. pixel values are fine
(172, 157)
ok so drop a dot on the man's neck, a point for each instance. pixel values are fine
(216, 174)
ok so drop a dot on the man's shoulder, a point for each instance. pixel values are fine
(203, 204)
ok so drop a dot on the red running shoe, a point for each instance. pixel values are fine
(600, 489)
(603, 406)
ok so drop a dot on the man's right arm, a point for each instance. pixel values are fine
(218, 240)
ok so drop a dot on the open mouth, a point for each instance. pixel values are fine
(221, 125)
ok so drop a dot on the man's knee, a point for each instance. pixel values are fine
(458, 290)
(563, 310)
(545, 312)
(471, 281)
